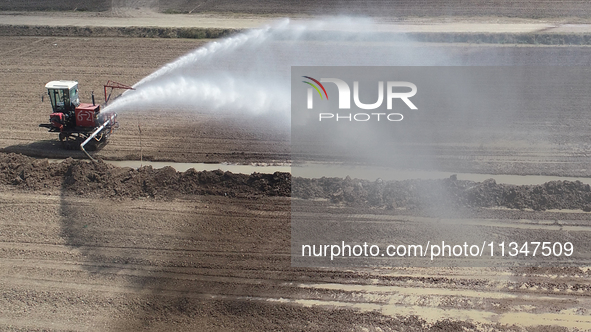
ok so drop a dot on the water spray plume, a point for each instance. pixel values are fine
(213, 48)
(248, 73)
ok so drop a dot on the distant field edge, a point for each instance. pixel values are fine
(133, 32)
(531, 38)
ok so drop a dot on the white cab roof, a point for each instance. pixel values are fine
(61, 84)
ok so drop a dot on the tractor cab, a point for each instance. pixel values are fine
(63, 96)
(68, 112)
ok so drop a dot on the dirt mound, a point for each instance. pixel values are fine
(445, 193)
(104, 180)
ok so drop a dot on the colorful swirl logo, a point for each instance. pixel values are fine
(315, 87)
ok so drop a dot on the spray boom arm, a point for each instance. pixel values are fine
(110, 120)
(114, 85)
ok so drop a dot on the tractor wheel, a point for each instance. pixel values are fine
(69, 142)
(91, 146)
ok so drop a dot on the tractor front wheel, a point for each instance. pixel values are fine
(69, 142)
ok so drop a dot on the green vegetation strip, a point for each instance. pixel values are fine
(134, 32)
(201, 33)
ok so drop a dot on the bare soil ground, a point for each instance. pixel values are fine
(94, 247)
(180, 136)
(545, 142)
(79, 254)
(450, 8)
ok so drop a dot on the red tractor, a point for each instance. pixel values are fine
(79, 123)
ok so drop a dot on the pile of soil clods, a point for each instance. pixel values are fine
(445, 193)
(105, 180)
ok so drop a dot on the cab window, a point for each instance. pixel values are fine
(59, 99)
(74, 95)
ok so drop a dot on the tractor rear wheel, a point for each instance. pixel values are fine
(69, 141)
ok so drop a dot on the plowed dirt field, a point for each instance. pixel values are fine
(79, 252)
